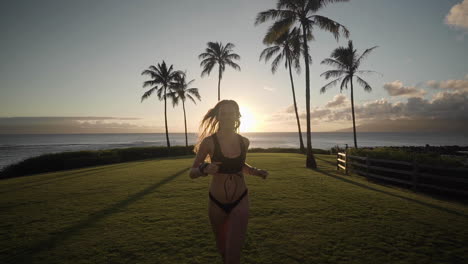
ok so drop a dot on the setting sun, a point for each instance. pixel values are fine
(248, 122)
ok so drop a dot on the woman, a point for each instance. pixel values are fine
(229, 201)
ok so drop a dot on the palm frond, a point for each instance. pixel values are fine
(345, 82)
(149, 83)
(267, 15)
(148, 93)
(267, 53)
(365, 54)
(329, 85)
(160, 93)
(229, 46)
(314, 6)
(148, 72)
(367, 72)
(233, 65)
(333, 73)
(335, 63)
(277, 29)
(191, 98)
(364, 84)
(232, 56)
(174, 97)
(331, 26)
(208, 68)
(275, 63)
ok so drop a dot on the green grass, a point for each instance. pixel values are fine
(152, 212)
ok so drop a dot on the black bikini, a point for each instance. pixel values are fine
(231, 166)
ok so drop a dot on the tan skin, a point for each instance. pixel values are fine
(230, 230)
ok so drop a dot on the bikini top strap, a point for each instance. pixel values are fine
(242, 145)
(217, 149)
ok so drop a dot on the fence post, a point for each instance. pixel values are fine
(337, 162)
(346, 162)
(414, 175)
(367, 165)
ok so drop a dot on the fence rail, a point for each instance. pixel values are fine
(367, 167)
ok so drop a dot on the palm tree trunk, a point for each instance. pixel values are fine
(219, 83)
(185, 122)
(352, 111)
(310, 161)
(295, 108)
(165, 121)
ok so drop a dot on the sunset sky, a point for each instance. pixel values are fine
(75, 66)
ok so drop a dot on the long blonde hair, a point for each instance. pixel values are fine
(210, 123)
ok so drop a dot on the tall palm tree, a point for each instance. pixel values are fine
(301, 12)
(180, 92)
(288, 47)
(161, 79)
(347, 62)
(221, 55)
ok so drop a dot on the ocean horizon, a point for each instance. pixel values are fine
(17, 147)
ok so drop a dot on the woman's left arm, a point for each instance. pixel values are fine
(248, 169)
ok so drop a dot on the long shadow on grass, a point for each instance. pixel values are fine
(61, 177)
(327, 161)
(394, 195)
(26, 255)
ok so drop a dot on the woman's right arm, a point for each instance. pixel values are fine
(199, 159)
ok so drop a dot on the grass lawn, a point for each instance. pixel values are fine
(152, 212)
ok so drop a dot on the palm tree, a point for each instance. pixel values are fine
(301, 12)
(216, 53)
(347, 62)
(180, 92)
(288, 47)
(162, 76)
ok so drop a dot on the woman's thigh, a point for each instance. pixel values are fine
(237, 226)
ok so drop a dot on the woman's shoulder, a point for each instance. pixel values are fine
(246, 140)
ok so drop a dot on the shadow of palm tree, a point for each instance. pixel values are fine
(392, 194)
(71, 175)
(26, 255)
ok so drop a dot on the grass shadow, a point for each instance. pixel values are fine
(392, 194)
(26, 255)
(71, 175)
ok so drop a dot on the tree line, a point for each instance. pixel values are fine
(287, 38)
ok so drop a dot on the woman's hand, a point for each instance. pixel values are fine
(262, 173)
(212, 168)
(258, 172)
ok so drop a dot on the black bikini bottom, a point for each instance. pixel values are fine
(227, 207)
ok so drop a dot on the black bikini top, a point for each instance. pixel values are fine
(229, 165)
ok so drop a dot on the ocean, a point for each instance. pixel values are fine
(14, 148)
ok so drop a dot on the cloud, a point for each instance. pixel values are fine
(443, 105)
(290, 109)
(458, 16)
(455, 85)
(337, 101)
(268, 88)
(67, 125)
(396, 88)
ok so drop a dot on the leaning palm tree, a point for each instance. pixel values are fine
(303, 13)
(347, 62)
(161, 79)
(180, 92)
(287, 47)
(221, 55)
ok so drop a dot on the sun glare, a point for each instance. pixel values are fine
(248, 122)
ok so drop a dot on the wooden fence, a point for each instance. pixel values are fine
(408, 173)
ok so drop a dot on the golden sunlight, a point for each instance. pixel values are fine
(248, 121)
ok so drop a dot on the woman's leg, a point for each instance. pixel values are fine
(236, 231)
(218, 220)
